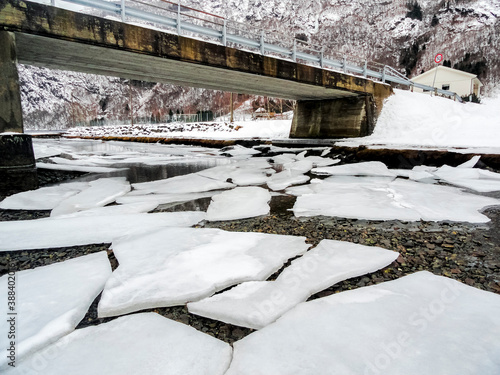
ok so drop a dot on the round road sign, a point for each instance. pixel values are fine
(438, 58)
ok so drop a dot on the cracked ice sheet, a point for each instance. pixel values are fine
(173, 266)
(52, 300)
(397, 200)
(418, 324)
(99, 193)
(369, 168)
(257, 304)
(242, 173)
(239, 203)
(84, 230)
(480, 180)
(144, 343)
(190, 183)
(45, 198)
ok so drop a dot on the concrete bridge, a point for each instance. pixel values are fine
(330, 104)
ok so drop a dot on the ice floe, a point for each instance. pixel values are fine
(239, 151)
(78, 168)
(259, 303)
(99, 193)
(246, 177)
(440, 203)
(173, 266)
(137, 344)
(83, 230)
(45, 198)
(418, 324)
(242, 173)
(369, 168)
(164, 198)
(301, 166)
(286, 178)
(190, 183)
(464, 175)
(239, 203)
(51, 301)
(319, 161)
(283, 159)
(472, 178)
(114, 210)
(45, 151)
(396, 200)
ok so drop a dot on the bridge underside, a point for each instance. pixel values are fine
(330, 104)
(37, 50)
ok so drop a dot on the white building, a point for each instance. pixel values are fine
(445, 78)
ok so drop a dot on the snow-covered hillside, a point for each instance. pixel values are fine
(405, 35)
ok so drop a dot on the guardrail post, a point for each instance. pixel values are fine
(262, 47)
(365, 69)
(224, 33)
(344, 64)
(321, 57)
(179, 27)
(294, 50)
(123, 10)
(383, 74)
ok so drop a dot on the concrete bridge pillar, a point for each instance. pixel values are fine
(352, 116)
(11, 115)
(17, 161)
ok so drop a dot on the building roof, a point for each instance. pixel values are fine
(445, 68)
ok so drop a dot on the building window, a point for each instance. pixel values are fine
(445, 87)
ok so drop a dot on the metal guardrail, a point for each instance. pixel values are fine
(228, 32)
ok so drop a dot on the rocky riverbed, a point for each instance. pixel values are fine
(468, 253)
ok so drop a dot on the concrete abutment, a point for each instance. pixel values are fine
(351, 116)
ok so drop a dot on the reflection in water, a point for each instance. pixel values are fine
(144, 173)
(282, 204)
(194, 205)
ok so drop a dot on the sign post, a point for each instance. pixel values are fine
(437, 59)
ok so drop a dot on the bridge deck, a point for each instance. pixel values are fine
(61, 39)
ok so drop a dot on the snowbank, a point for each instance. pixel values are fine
(266, 129)
(415, 119)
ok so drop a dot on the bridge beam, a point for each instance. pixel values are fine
(17, 161)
